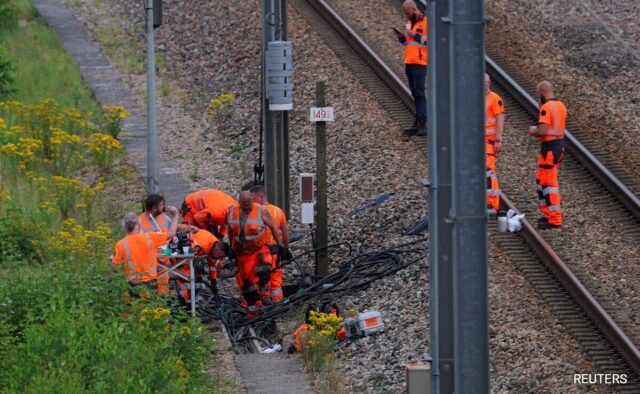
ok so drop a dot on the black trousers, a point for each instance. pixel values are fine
(417, 76)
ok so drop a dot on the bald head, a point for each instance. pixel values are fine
(487, 83)
(410, 9)
(246, 200)
(545, 89)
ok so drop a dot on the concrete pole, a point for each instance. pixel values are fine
(152, 137)
(440, 228)
(322, 255)
(276, 123)
(469, 208)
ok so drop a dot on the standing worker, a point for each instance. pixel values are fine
(137, 252)
(414, 39)
(494, 126)
(248, 225)
(550, 132)
(280, 219)
(207, 209)
(155, 219)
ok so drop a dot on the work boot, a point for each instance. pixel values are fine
(413, 129)
(422, 129)
(543, 220)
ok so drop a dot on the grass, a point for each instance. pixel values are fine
(66, 323)
(44, 69)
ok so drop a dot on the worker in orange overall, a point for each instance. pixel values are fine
(414, 38)
(494, 126)
(550, 133)
(207, 209)
(155, 219)
(137, 252)
(280, 219)
(204, 244)
(249, 224)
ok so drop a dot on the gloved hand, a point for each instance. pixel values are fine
(283, 253)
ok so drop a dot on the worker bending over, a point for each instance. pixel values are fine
(155, 219)
(207, 209)
(494, 126)
(280, 220)
(248, 225)
(550, 133)
(137, 252)
(414, 38)
(204, 244)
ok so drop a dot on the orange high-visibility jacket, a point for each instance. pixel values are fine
(554, 114)
(138, 254)
(150, 223)
(278, 218)
(415, 51)
(211, 201)
(253, 236)
(494, 106)
(205, 240)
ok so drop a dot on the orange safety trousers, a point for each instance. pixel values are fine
(275, 282)
(246, 277)
(551, 154)
(493, 188)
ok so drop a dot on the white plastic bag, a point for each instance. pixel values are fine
(514, 221)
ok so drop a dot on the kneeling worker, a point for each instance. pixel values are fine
(248, 224)
(206, 244)
(137, 252)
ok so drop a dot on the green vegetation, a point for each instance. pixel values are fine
(67, 324)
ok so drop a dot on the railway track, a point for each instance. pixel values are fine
(611, 348)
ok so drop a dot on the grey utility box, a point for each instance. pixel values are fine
(279, 67)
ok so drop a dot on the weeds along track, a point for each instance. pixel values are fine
(553, 262)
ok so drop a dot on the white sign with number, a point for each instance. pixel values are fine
(321, 114)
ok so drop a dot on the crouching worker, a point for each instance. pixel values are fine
(248, 225)
(137, 252)
(206, 245)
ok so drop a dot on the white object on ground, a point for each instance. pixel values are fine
(515, 221)
(273, 349)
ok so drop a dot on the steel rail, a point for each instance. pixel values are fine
(580, 294)
(541, 248)
(395, 84)
(618, 189)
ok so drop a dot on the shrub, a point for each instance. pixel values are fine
(111, 118)
(68, 328)
(8, 14)
(319, 342)
(218, 110)
(7, 70)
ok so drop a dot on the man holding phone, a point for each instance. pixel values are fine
(414, 39)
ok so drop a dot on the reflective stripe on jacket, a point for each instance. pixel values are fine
(138, 254)
(553, 113)
(415, 51)
(253, 236)
(150, 223)
(493, 106)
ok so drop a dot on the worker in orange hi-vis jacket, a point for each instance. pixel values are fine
(155, 219)
(137, 252)
(207, 209)
(493, 127)
(249, 224)
(275, 284)
(550, 132)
